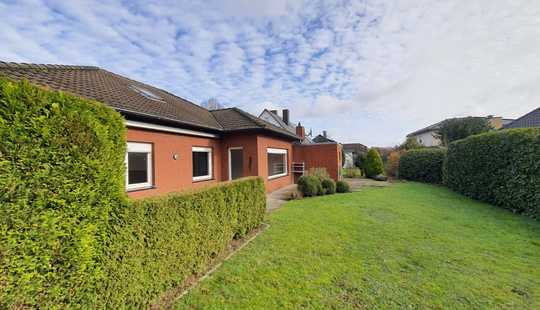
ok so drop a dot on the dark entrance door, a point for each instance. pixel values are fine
(236, 163)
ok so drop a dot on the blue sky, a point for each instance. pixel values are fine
(365, 71)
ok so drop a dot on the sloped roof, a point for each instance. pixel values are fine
(135, 98)
(531, 119)
(235, 119)
(115, 90)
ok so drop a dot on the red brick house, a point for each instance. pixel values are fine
(174, 144)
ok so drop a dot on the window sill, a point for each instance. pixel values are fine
(140, 189)
(277, 176)
(202, 179)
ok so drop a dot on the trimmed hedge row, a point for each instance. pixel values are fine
(61, 175)
(158, 242)
(502, 168)
(69, 238)
(423, 165)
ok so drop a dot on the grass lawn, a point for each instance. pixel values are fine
(406, 246)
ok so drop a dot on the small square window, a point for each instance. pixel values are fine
(202, 163)
(138, 165)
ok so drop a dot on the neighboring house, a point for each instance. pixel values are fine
(323, 138)
(174, 144)
(531, 119)
(308, 153)
(351, 151)
(427, 136)
(284, 122)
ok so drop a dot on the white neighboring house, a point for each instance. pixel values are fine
(428, 136)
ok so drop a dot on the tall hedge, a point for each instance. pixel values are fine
(502, 168)
(423, 165)
(158, 242)
(61, 174)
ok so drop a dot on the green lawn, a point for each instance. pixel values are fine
(406, 246)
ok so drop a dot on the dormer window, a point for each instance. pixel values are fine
(146, 93)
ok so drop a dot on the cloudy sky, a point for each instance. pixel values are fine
(366, 71)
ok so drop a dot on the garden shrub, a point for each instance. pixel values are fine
(374, 164)
(329, 186)
(310, 186)
(342, 187)
(156, 243)
(502, 168)
(61, 175)
(423, 165)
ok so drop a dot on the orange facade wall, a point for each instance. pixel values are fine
(327, 155)
(263, 143)
(170, 175)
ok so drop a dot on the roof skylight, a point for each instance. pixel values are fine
(146, 93)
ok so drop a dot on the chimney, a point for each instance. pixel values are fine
(324, 133)
(273, 111)
(300, 131)
(286, 116)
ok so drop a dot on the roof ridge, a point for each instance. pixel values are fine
(23, 65)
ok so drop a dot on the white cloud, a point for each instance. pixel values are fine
(366, 71)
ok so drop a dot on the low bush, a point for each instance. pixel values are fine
(158, 242)
(329, 186)
(351, 172)
(342, 187)
(374, 164)
(502, 168)
(310, 186)
(423, 165)
(61, 175)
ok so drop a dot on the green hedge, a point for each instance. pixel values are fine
(423, 165)
(158, 242)
(61, 174)
(502, 168)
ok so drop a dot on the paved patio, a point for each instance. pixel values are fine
(277, 198)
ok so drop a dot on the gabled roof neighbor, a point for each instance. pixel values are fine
(323, 139)
(531, 119)
(235, 119)
(134, 98)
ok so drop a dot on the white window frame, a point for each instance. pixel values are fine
(230, 160)
(208, 150)
(278, 151)
(139, 147)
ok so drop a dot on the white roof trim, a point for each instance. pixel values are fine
(143, 125)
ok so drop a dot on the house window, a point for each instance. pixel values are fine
(138, 166)
(202, 163)
(277, 163)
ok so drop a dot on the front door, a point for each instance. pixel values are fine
(236, 163)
